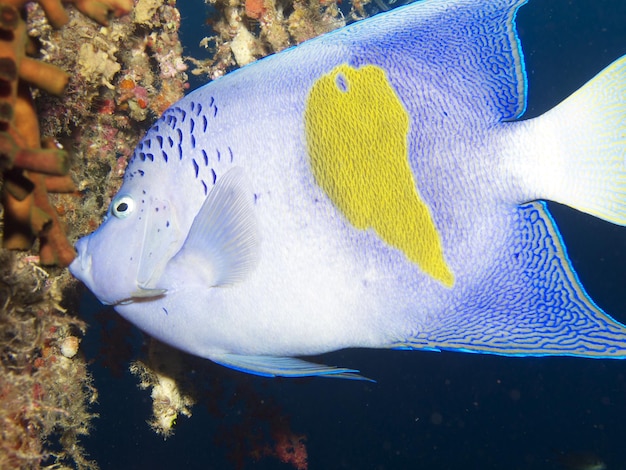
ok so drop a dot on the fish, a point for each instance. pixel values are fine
(374, 187)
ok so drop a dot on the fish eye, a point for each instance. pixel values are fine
(122, 207)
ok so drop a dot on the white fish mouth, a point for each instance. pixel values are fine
(81, 266)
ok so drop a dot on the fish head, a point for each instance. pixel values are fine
(123, 260)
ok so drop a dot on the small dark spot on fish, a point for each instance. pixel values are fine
(143, 191)
(341, 82)
(148, 143)
(214, 176)
(214, 111)
(204, 123)
(180, 152)
(156, 128)
(206, 157)
(180, 135)
(199, 109)
(167, 223)
(195, 166)
(160, 140)
(212, 101)
(192, 124)
(256, 198)
(219, 155)
(156, 209)
(171, 141)
(231, 154)
(142, 156)
(193, 105)
(206, 190)
(150, 156)
(141, 172)
(193, 142)
(184, 113)
(164, 156)
(165, 310)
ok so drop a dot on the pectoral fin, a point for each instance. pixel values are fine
(272, 366)
(222, 245)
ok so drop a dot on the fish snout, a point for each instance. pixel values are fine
(81, 266)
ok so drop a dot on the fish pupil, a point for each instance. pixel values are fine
(122, 207)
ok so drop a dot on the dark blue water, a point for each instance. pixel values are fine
(430, 411)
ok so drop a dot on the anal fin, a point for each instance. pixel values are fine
(530, 304)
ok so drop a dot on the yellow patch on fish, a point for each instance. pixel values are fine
(356, 131)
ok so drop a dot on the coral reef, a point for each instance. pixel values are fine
(122, 77)
(163, 373)
(122, 74)
(251, 424)
(29, 171)
(45, 390)
(246, 30)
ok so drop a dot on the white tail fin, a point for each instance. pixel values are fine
(576, 152)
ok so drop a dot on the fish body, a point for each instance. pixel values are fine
(369, 188)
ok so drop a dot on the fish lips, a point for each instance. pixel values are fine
(81, 266)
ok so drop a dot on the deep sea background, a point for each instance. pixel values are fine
(426, 410)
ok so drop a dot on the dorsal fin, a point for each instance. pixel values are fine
(469, 49)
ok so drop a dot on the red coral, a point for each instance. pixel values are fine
(290, 448)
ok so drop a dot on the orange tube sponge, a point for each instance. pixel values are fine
(100, 10)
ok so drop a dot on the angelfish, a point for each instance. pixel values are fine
(369, 188)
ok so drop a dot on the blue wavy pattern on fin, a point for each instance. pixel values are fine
(468, 48)
(272, 366)
(530, 304)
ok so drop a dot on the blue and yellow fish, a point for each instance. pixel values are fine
(369, 188)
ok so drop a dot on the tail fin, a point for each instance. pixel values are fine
(579, 148)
